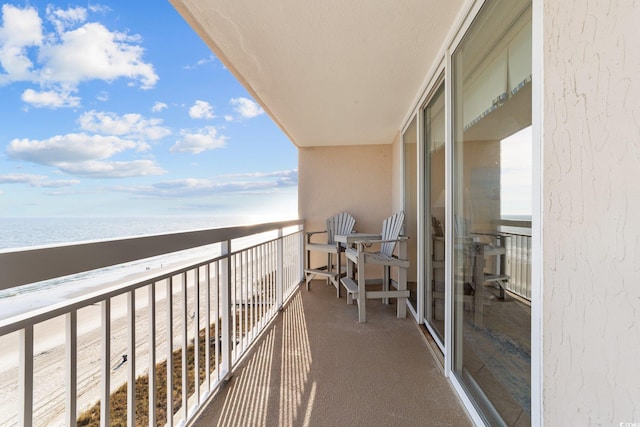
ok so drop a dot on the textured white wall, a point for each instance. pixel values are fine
(591, 212)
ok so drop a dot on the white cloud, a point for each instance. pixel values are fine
(192, 187)
(99, 8)
(203, 61)
(63, 19)
(285, 178)
(49, 99)
(201, 110)
(70, 148)
(21, 28)
(102, 96)
(159, 106)
(102, 169)
(200, 63)
(283, 174)
(246, 108)
(133, 125)
(89, 155)
(93, 52)
(228, 118)
(37, 180)
(74, 52)
(195, 143)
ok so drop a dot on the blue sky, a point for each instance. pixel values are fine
(119, 109)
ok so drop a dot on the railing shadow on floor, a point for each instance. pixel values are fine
(317, 365)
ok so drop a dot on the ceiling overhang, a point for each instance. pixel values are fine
(327, 72)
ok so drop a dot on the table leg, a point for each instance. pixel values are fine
(386, 279)
(478, 277)
(362, 294)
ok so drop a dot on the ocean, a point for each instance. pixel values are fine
(28, 232)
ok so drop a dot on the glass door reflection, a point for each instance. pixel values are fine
(434, 131)
(492, 182)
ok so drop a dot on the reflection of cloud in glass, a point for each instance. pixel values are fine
(516, 174)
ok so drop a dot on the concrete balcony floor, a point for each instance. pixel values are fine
(317, 366)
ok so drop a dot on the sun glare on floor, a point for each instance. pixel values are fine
(249, 400)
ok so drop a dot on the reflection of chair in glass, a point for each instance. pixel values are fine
(464, 259)
(464, 289)
(497, 277)
(341, 223)
(488, 256)
(360, 256)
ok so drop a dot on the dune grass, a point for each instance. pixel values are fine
(118, 410)
(91, 417)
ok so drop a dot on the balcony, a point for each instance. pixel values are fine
(316, 365)
(266, 354)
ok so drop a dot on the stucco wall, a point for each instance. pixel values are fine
(397, 177)
(591, 213)
(356, 179)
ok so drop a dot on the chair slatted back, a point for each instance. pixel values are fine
(391, 228)
(341, 223)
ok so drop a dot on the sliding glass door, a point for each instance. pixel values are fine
(435, 224)
(410, 167)
(491, 142)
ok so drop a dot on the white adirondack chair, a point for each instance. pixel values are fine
(341, 223)
(360, 256)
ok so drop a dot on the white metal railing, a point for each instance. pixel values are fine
(206, 313)
(517, 241)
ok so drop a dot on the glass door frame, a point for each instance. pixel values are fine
(463, 28)
(425, 233)
(412, 215)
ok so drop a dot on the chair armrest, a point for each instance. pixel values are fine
(309, 234)
(367, 242)
(495, 234)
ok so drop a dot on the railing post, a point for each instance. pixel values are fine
(226, 310)
(105, 402)
(183, 313)
(152, 353)
(280, 271)
(25, 382)
(71, 358)
(301, 255)
(207, 331)
(131, 360)
(169, 313)
(196, 339)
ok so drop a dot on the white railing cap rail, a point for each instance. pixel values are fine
(29, 265)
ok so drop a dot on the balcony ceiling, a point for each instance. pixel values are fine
(328, 72)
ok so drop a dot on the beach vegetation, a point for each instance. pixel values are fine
(118, 412)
